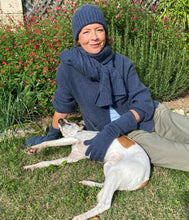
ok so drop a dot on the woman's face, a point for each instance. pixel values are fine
(92, 38)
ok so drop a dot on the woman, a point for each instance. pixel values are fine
(112, 99)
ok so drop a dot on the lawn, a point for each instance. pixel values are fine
(54, 192)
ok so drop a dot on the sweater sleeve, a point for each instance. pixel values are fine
(139, 96)
(63, 100)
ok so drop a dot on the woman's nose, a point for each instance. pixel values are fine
(94, 35)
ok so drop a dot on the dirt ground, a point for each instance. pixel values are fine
(181, 103)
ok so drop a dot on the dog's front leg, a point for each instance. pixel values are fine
(75, 155)
(45, 164)
(53, 143)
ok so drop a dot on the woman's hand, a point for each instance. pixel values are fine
(99, 145)
(53, 134)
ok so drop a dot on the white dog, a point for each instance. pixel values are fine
(126, 165)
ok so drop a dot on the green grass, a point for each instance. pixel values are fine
(54, 192)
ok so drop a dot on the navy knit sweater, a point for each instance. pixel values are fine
(72, 87)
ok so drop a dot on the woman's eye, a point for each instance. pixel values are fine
(85, 32)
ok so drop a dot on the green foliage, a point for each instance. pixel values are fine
(174, 11)
(152, 46)
(29, 54)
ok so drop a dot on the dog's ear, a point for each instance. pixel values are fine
(81, 127)
(79, 123)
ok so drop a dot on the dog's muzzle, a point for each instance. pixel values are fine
(61, 122)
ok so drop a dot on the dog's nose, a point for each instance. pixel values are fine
(61, 122)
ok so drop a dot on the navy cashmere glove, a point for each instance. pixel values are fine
(99, 145)
(53, 134)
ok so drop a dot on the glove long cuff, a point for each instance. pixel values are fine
(126, 123)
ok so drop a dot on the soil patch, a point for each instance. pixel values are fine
(182, 102)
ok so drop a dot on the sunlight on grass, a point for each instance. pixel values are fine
(54, 192)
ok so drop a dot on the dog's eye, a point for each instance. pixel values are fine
(67, 123)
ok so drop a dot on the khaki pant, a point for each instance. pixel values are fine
(168, 144)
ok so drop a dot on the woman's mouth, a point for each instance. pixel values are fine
(94, 45)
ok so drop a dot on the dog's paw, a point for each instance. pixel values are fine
(79, 217)
(30, 167)
(82, 217)
(31, 150)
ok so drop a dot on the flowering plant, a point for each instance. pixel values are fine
(29, 51)
(173, 11)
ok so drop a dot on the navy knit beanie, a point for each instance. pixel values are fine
(84, 15)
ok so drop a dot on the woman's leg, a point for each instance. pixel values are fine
(168, 145)
(171, 125)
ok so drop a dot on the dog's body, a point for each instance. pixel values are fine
(126, 165)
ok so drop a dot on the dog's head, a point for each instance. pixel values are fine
(69, 128)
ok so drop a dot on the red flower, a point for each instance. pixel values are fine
(166, 19)
(134, 18)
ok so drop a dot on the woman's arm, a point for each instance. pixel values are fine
(137, 117)
(56, 117)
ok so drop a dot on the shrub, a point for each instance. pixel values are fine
(29, 52)
(172, 11)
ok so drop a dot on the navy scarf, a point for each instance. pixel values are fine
(97, 67)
